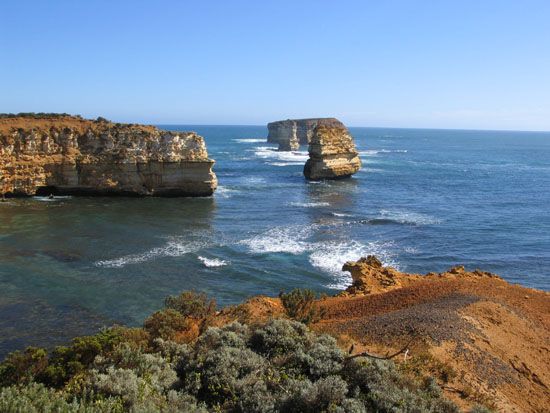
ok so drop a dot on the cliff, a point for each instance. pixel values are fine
(65, 154)
(332, 154)
(291, 133)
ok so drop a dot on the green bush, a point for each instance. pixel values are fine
(300, 305)
(191, 304)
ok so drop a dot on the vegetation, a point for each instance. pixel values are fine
(171, 365)
(300, 305)
(38, 115)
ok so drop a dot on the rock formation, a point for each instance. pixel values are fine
(62, 154)
(292, 133)
(332, 154)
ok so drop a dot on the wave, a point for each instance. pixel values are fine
(225, 192)
(212, 262)
(407, 217)
(309, 204)
(371, 152)
(331, 256)
(170, 249)
(340, 214)
(284, 163)
(249, 140)
(279, 239)
(48, 199)
(268, 152)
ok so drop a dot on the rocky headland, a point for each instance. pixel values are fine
(69, 155)
(332, 154)
(292, 133)
(441, 342)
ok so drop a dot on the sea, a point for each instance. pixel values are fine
(425, 200)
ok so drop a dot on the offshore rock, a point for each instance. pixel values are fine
(69, 155)
(291, 133)
(332, 154)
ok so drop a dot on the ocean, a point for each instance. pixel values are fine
(424, 200)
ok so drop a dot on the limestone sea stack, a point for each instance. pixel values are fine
(332, 154)
(69, 155)
(292, 133)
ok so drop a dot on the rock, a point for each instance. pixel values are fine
(72, 156)
(292, 143)
(291, 133)
(370, 276)
(332, 154)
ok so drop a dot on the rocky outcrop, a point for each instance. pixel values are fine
(292, 133)
(64, 154)
(332, 154)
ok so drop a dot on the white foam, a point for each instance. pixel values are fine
(331, 256)
(409, 217)
(252, 140)
(225, 192)
(170, 249)
(373, 152)
(279, 239)
(309, 204)
(268, 152)
(340, 214)
(212, 262)
(284, 163)
(48, 199)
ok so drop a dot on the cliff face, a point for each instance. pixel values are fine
(332, 154)
(70, 155)
(291, 133)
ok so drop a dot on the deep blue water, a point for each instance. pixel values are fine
(425, 200)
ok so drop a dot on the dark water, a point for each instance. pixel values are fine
(425, 200)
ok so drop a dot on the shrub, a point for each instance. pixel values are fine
(170, 324)
(22, 367)
(191, 304)
(300, 305)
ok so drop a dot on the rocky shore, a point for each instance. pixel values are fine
(68, 155)
(292, 133)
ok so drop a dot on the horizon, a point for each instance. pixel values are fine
(404, 64)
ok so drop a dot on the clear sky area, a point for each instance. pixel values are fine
(442, 64)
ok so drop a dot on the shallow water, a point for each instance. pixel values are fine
(425, 200)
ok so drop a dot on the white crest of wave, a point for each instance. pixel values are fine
(170, 249)
(249, 140)
(409, 217)
(225, 191)
(268, 152)
(331, 256)
(372, 152)
(278, 239)
(309, 204)
(212, 262)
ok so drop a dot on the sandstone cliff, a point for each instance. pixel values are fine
(65, 154)
(292, 133)
(332, 154)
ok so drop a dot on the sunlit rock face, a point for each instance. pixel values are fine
(292, 133)
(332, 154)
(73, 156)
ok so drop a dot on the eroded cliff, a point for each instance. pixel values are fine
(332, 154)
(65, 154)
(292, 133)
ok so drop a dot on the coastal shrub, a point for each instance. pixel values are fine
(280, 366)
(61, 365)
(191, 304)
(300, 305)
(170, 324)
(36, 398)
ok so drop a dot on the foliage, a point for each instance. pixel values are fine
(280, 366)
(191, 304)
(300, 305)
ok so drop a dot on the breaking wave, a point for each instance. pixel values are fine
(249, 140)
(212, 262)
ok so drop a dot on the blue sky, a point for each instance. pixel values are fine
(444, 64)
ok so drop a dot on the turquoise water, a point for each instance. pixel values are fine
(424, 200)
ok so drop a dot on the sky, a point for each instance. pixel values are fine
(463, 64)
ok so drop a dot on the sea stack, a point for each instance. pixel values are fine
(68, 155)
(292, 133)
(332, 154)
